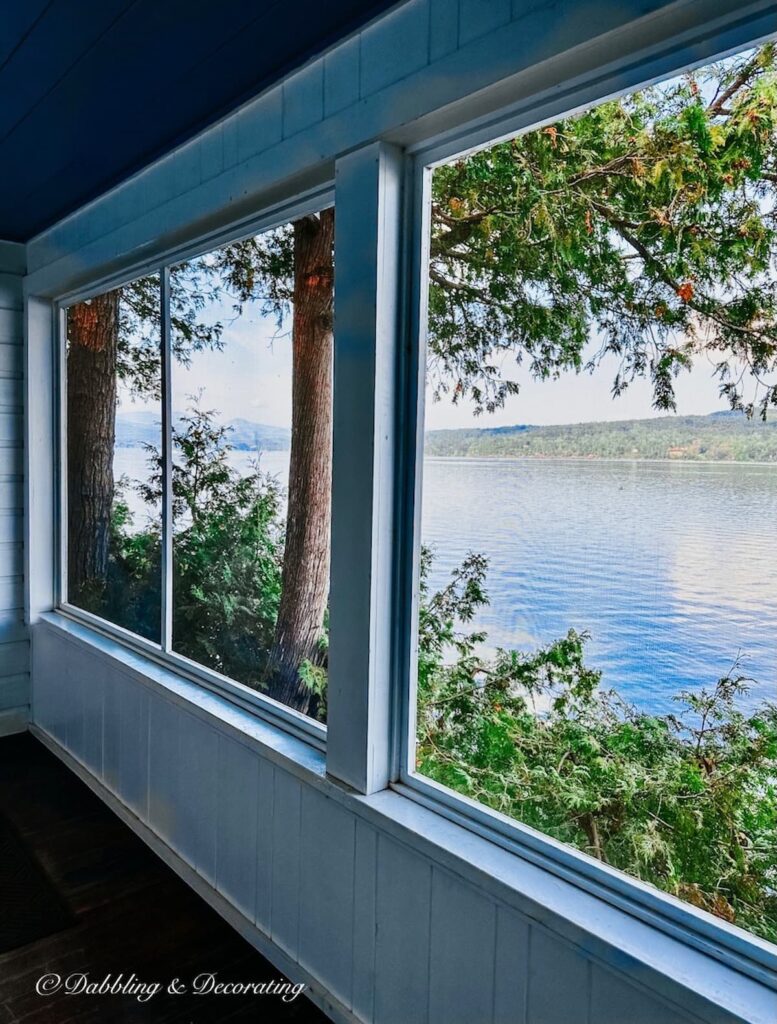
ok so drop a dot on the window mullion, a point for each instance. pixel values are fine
(167, 464)
(367, 325)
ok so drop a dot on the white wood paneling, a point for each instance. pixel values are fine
(15, 689)
(11, 593)
(613, 1001)
(164, 722)
(425, 67)
(12, 627)
(14, 647)
(364, 920)
(12, 559)
(12, 463)
(341, 76)
(11, 329)
(236, 824)
(395, 47)
(478, 19)
(303, 99)
(10, 291)
(11, 496)
(258, 126)
(199, 805)
(10, 392)
(326, 893)
(558, 982)
(11, 426)
(285, 886)
(133, 756)
(511, 967)
(11, 529)
(443, 28)
(400, 917)
(264, 846)
(11, 355)
(463, 952)
(15, 657)
(402, 942)
(91, 689)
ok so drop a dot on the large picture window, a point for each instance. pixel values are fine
(596, 651)
(238, 580)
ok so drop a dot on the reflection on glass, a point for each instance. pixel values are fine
(252, 422)
(596, 644)
(113, 436)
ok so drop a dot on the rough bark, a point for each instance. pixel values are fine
(305, 578)
(93, 329)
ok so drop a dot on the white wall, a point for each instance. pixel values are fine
(391, 912)
(424, 68)
(14, 646)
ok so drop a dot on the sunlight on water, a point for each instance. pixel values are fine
(671, 567)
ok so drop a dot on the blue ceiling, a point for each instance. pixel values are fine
(92, 90)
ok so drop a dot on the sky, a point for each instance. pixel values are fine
(251, 379)
(580, 398)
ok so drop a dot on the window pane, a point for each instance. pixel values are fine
(252, 412)
(597, 653)
(113, 445)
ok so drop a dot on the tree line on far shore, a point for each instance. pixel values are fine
(715, 438)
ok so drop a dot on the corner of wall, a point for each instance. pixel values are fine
(14, 637)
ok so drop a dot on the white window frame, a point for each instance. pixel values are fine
(729, 944)
(380, 268)
(265, 707)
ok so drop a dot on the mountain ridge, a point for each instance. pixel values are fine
(722, 436)
(136, 429)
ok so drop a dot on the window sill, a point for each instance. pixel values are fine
(730, 945)
(689, 978)
(245, 724)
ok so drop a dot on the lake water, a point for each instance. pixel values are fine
(671, 567)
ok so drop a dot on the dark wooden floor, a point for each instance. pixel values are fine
(132, 914)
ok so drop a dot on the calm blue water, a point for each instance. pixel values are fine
(672, 567)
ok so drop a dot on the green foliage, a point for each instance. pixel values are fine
(716, 438)
(647, 222)
(686, 802)
(227, 552)
(130, 594)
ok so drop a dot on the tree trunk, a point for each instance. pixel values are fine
(93, 329)
(305, 579)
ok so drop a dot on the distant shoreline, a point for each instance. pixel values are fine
(598, 458)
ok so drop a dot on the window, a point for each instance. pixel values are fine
(114, 431)
(596, 654)
(252, 440)
(245, 472)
